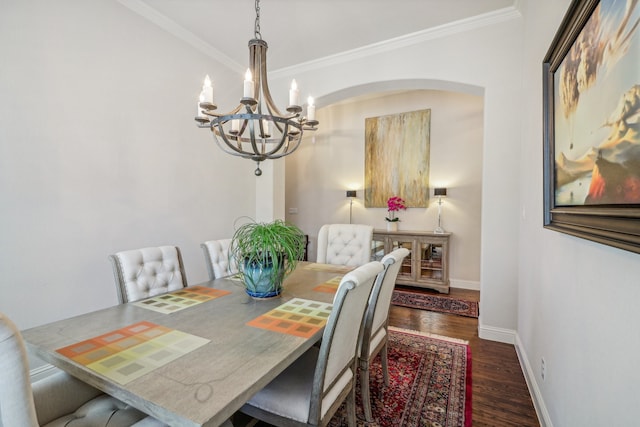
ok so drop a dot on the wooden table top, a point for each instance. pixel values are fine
(205, 386)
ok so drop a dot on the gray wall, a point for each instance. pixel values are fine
(577, 300)
(318, 191)
(99, 152)
(484, 59)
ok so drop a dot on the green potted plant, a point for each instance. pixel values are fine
(266, 253)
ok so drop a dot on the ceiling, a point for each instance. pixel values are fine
(299, 31)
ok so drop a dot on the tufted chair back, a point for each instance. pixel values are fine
(146, 272)
(216, 256)
(345, 244)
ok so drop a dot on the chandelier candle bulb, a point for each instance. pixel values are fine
(235, 125)
(200, 100)
(207, 90)
(311, 109)
(248, 84)
(293, 93)
(266, 128)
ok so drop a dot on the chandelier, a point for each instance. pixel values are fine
(256, 129)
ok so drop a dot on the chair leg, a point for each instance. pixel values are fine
(351, 407)
(385, 364)
(364, 390)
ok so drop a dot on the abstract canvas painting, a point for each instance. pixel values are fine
(397, 159)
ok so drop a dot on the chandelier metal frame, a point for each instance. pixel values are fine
(256, 129)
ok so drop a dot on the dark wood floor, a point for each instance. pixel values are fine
(500, 396)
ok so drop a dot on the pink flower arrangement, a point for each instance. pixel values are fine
(394, 204)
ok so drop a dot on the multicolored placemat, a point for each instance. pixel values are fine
(130, 352)
(181, 299)
(329, 267)
(330, 286)
(299, 317)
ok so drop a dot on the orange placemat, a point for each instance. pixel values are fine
(299, 317)
(130, 352)
(330, 286)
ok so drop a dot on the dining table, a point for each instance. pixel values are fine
(198, 363)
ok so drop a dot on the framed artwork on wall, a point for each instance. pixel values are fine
(591, 103)
(397, 159)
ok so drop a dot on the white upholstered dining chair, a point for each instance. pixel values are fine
(216, 256)
(344, 244)
(146, 272)
(375, 333)
(57, 400)
(310, 391)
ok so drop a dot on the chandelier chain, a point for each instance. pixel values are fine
(257, 23)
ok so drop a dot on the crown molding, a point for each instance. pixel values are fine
(449, 29)
(446, 30)
(172, 27)
(518, 5)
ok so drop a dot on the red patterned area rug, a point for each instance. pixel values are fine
(439, 303)
(429, 384)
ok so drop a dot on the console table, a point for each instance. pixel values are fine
(427, 266)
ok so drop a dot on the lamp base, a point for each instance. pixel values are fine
(439, 230)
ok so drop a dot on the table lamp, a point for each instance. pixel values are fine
(440, 192)
(351, 194)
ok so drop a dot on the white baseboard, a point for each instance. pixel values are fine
(509, 336)
(496, 334)
(41, 372)
(532, 384)
(464, 284)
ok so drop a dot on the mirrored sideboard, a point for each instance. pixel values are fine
(427, 266)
